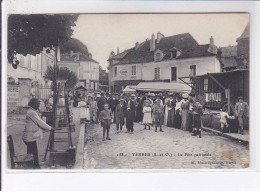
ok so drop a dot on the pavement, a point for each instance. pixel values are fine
(171, 149)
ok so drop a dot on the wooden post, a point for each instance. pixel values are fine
(228, 96)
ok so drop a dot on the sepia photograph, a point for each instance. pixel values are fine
(128, 91)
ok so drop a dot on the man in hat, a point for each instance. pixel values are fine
(100, 103)
(119, 113)
(130, 114)
(113, 102)
(241, 113)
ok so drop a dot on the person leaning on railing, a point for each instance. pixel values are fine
(33, 130)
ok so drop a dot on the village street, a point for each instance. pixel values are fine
(172, 149)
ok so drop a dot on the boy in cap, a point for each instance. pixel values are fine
(158, 114)
(105, 118)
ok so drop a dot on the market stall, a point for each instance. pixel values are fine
(220, 91)
(163, 87)
(129, 89)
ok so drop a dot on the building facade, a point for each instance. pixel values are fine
(28, 80)
(165, 59)
(86, 68)
(32, 67)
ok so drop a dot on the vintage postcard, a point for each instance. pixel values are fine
(128, 91)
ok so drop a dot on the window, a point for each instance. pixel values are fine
(115, 72)
(193, 70)
(133, 69)
(21, 62)
(157, 56)
(29, 62)
(174, 74)
(206, 84)
(157, 73)
(65, 68)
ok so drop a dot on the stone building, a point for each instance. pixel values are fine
(86, 68)
(162, 59)
(236, 57)
(28, 79)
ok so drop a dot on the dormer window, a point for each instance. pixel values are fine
(158, 55)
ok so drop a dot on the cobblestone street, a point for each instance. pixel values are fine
(173, 149)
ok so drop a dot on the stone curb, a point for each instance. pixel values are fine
(79, 163)
(223, 134)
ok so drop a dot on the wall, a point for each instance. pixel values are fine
(124, 72)
(243, 47)
(146, 71)
(32, 67)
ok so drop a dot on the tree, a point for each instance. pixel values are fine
(74, 45)
(61, 73)
(29, 34)
(103, 76)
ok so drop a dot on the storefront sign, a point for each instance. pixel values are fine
(123, 73)
(13, 97)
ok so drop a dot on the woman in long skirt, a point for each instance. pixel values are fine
(171, 113)
(177, 118)
(185, 113)
(166, 110)
(83, 111)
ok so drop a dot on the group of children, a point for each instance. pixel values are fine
(157, 110)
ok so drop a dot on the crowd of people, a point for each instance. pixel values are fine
(179, 111)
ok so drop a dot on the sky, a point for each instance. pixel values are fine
(103, 33)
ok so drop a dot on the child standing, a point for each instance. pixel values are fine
(105, 118)
(158, 115)
(223, 120)
(147, 119)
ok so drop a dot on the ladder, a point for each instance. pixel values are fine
(60, 147)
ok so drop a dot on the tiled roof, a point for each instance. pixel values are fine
(82, 57)
(197, 51)
(120, 55)
(228, 62)
(245, 33)
(229, 51)
(183, 42)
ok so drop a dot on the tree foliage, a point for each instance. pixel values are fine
(103, 76)
(29, 34)
(61, 73)
(74, 45)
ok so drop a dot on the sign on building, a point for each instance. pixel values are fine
(13, 97)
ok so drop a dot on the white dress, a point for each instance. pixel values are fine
(147, 119)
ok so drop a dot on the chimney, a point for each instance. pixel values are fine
(212, 47)
(117, 50)
(136, 45)
(71, 53)
(58, 53)
(159, 37)
(152, 43)
(111, 54)
(219, 53)
(211, 40)
(90, 55)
